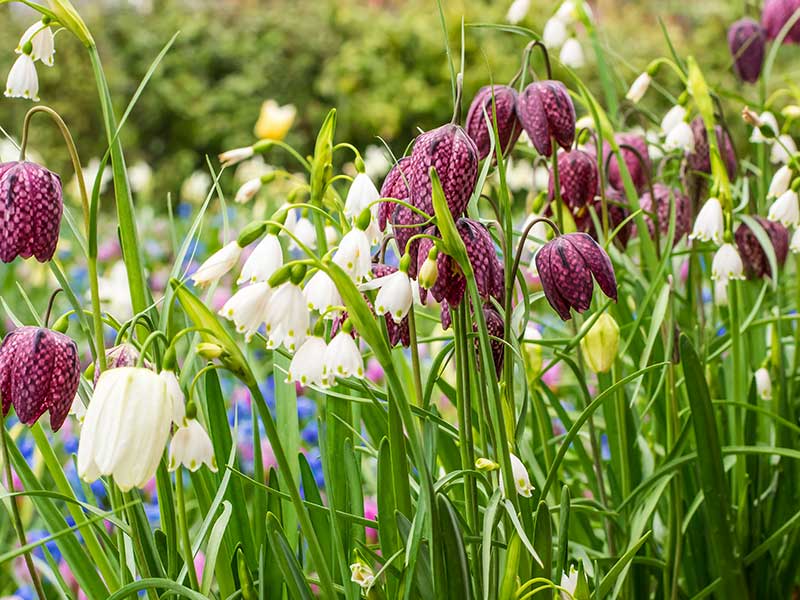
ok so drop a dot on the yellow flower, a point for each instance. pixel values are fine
(274, 121)
(601, 343)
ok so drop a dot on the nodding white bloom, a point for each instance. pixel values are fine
(23, 82)
(721, 293)
(674, 116)
(782, 149)
(680, 137)
(763, 384)
(248, 189)
(176, 397)
(304, 231)
(569, 583)
(786, 209)
(794, 246)
(394, 295)
(287, 317)
(780, 182)
(321, 294)
(639, 87)
(266, 258)
(554, 34)
(572, 54)
(521, 479)
(236, 155)
(219, 263)
(567, 12)
(247, 308)
(331, 235)
(517, 11)
(191, 447)
(362, 575)
(307, 363)
(353, 254)
(78, 409)
(727, 264)
(342, 358)
(361, 194)
(126, 427)
(41, 38)
(140, 175)
(710, 223)
(769, 119)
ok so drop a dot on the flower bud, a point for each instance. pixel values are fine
(251, 233)
(600, 344)
(210, 351)
(763, 384)
(746, 40)
(486, 465)
(429, 272)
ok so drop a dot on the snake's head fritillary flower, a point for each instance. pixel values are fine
(546, 112)
(700, 160)
(307, 363)
(755, 260)
(709, 226)
(496, 329)
(191, 447)
(763, 384)
(126, 427)
(39, 371)
(395, 185)
(454, 155)
(617, 205)
(31, 205)
(775, 14)
(122, 355)
(786, 209)
(218, 264)
(505, 107)
(40, 35)
(639, 169)
(664, 199)
(746, 41)
(578, 177)
(566, 266)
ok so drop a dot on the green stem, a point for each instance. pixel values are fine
(415, 364)
(18, 526)
(183, 525)
(557, 187)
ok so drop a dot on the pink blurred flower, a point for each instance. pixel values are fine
(371, 513)
(374, 371)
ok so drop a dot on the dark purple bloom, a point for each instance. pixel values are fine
(39, 371)
(639, 170)
(663, 207)
(566, 265)
(30, 211)
(546, 111)
(454, 155)
(755, 260)
(746, 40)
(775, 14)
(700, 159)
(505, 107)
(578, 177)
(395, 185)
(495, 328)
(123, 355)
(617, 206)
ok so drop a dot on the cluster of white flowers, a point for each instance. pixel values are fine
(677, 132)
(36, 44)
(560, 33)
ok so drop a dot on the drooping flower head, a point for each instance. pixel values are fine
(505, 107)
(122, 355)
(753, 255)
(546, 111)
(639, 169)
(664, 198)
(578, 179)
(39, 371)
(496, 329)
(31, 205)
(775, 14)
(700, 159)
(454, 155)
(566, 266)
(746, 40)
(395, 185)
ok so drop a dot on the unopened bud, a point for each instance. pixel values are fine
(209, 350)
(429, 272)
(486, 465)
(751, 117)
(363, 220)
(251, 233)
(600, 344)
(62, 324)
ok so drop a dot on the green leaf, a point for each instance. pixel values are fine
(457, 584)
(296, 583)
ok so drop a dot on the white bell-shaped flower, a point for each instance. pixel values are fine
(23, 82)
(783, 148)
(680, 137)
(709, 226)
(721, 293)
(394, 295)
(639, 87)
(555, 33)
(331, 235)
(522, 481)
(217, 265)
(126, 427)
(287, 317)
(517, 11)
(248, 189)
(763, 384)
(361, 195)
(353, 254)
(247, 308)
(308, 362)
(786, 209)
(780, 182)
(571, 54)
(727, 264)
(569, 583)
(794, 245)
(674, 115)
(175, 394)
(43, 45)
(768, 118)
(304, 231)
(362, 575)
(321, 293)
(266, 258)
(236, 155)
(191, 447)
(342, 358)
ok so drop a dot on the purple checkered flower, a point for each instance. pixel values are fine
(617, 206)
(496, 329)
(395, 185)
(505, 107)
(454, 155)
(663, 206)
(546, 111)
(700, 159)
(578, 178)
(639, 170)
(31, 205)
(566, 266)
(755, 260)
(39, 371)
(775, 14)
(746, 41)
